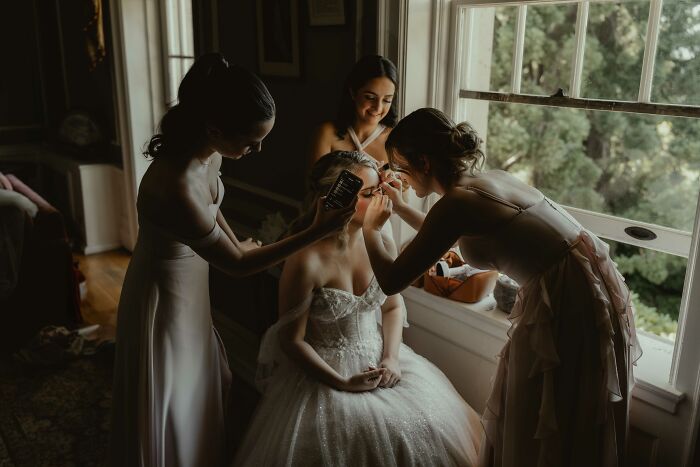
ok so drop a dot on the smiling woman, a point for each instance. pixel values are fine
(366, 114)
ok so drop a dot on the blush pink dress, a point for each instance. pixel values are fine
(562, 388)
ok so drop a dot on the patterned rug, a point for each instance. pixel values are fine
(55, 415)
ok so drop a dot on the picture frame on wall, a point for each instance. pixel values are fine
(278, 37)
(326, 12)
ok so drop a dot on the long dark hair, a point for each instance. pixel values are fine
(212, 93)
(367, 68)
(323, 174)
(452, 149)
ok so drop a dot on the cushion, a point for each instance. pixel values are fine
(5, 182)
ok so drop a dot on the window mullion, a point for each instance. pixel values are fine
(651, 43)
(464, 18)
(580, 40)
(518, 51)
(182, 27)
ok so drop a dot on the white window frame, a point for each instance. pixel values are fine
(661, 382)
(668, 240)
(178, 44)
(668, 409)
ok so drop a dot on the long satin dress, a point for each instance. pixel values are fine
(171, 375)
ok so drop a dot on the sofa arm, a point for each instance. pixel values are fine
(48, 223)
(20, 187)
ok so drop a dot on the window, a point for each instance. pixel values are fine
(178, 43)
(597, 104)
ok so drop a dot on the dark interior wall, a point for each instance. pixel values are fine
(21, 104)
(327, 54)
(86, 89)
(46, 70)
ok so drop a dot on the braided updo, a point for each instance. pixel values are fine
(452, 149)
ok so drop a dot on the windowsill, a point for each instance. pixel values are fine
(453, 319)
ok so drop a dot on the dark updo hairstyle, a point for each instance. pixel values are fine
(452, 149)
(323, 174)
(367, 68)
(212, 93)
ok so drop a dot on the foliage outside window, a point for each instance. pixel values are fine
(636, 166)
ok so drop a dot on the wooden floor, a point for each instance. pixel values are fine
(104, 274)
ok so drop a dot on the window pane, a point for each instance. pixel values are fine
(172, 18)
(614, 50)
(549, 48)
(641, 167)
(498, 23)
(503, 44)
(175, 75)
(186, 33)
(656, 282)
(677, 66)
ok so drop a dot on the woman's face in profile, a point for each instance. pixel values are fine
(409, 174)
(370, 185)
(373, 99)
(240, 145)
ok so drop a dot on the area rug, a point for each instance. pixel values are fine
(55, 415)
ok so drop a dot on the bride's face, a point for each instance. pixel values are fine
(370, 185)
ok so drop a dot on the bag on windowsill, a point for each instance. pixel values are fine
(474, 288)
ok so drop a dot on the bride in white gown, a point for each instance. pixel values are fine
(338, 389)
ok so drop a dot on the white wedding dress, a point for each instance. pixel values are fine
(422, 421)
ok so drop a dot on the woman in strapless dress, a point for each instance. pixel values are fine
(562, 388)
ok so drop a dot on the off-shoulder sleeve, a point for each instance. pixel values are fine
(270, 349)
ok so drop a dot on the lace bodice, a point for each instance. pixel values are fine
(340, 321)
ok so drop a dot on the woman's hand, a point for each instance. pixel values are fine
(249, 244)
(378, 212)
(365, 381)
(332, 220)
(390, 177)
(392, 188)
(392, 375)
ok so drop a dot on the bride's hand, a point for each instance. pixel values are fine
(365, 381)
(392, 375)
(332, 220)
(377, 212)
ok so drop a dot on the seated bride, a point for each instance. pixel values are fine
(340, 390)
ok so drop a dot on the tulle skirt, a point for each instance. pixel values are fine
(561, 392)
(422, 421)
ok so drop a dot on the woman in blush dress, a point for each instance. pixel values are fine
(562, 389)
